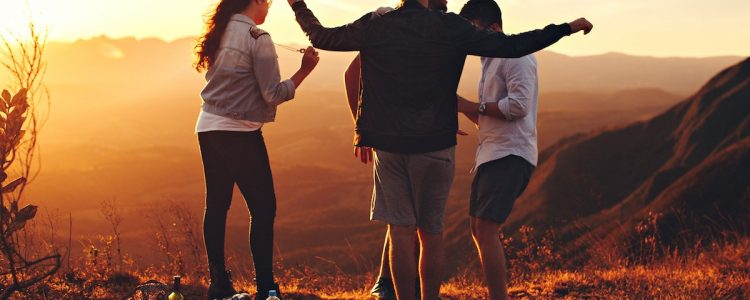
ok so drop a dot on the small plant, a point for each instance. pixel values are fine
(19, 269)
(531, 254)
(177, 235)
(649, 241)
(113, 215)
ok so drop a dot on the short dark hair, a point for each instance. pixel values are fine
(431, 4)
(403, 2)
(485, 11)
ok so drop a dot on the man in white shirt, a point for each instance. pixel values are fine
(507, 153)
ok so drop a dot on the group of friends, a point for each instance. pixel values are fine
(401, 90)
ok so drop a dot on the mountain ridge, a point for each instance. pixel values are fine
(600, 181)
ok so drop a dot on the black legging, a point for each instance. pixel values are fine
(238, 157)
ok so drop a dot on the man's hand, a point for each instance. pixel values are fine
(466, 106)
(581, 24)
(469, 109)
(364, 153)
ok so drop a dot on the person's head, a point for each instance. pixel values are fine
(421, 2)
(441, 5)
(484, 14)
(208, 44)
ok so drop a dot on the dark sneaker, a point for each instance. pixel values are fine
(220, 286)
(262, 293)
(220, 291)
(383, 289)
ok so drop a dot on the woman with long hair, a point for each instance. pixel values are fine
(243, 89)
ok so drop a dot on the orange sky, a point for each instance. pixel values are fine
(641, 27)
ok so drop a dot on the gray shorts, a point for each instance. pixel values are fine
(412, 189)
(497, 184)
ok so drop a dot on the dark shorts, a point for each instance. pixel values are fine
(412, 189)
(497, 184)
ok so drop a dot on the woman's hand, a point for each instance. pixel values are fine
(310, 59)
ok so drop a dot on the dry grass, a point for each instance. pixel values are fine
(716, 272)
(720, 270)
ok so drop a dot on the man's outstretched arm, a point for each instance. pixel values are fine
(492, 44)
(349, 37)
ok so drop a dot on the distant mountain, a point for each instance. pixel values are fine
(691, 164)
(616, 71)
(621, 100)
(131, 59)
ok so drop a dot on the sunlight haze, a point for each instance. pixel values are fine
(638, 27)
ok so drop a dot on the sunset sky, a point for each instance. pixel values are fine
(641, 27)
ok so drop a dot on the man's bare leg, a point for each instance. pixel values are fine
(431, 264)
(385, 266)
(403, 268)
(486, 236)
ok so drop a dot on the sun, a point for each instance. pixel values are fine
(17, 15)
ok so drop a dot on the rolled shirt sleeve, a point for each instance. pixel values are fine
(268, 75)
(522, 83)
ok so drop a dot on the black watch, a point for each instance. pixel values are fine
(482, 108)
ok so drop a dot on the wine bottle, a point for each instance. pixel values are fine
(176, 295)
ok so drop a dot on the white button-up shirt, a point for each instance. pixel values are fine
(511, 84)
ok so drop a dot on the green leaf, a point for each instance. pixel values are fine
(19, 98)
(6, 96)
(10, 187)
(14, 226)
(15, 114)
(26, 213)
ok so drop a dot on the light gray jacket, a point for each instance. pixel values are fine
(244, 81)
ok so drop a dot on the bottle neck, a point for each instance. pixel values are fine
(176, 284)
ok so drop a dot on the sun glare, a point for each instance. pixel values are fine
(19, 14)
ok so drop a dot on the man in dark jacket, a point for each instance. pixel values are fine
(412, 60)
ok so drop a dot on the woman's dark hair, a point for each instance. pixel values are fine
(208, 44)
(485, 11)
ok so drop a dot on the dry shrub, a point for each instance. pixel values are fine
(530, 255)
(22, 264)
